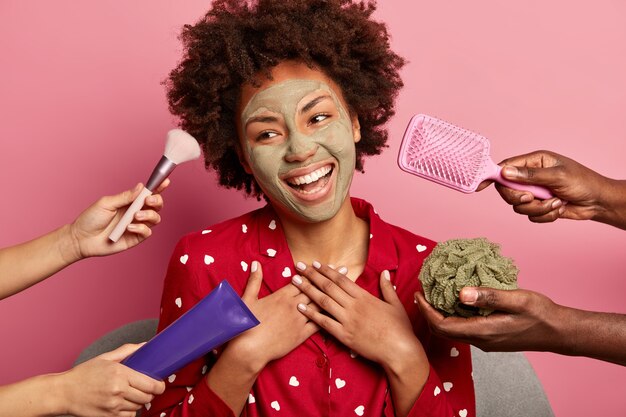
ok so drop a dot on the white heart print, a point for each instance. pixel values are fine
(184, 258)
(171, 378)
(244, 266)
(454, 352)
(272, 225)
(286, 272)
(244, 228)
(359, 410)
(251, 399)
(437, 391)
(148, 405)
(447, 386)
(208, 259)
(340, 383)
(204, 369)
(178, 302)
(162, 415)
(420, 248)
(271, 252)
(204, 232)
(463, 413)
(275, 405)
(293, 381)
(190, 400)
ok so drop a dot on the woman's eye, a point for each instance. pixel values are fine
(266, 135)
(318, 118)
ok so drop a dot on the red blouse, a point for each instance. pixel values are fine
(321, 377)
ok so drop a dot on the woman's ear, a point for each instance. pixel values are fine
(356, 128)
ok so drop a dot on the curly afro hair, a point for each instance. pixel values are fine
(238, 40)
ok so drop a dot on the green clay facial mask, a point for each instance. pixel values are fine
(299, 144)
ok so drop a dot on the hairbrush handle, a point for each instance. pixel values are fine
(127, 218)
(537, 191)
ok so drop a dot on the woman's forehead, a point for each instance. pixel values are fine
(290, 97)
(288, 71)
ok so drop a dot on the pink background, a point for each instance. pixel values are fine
(84, 115)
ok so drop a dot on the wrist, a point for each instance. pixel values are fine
(56, 400)
(564, 325)
(69, 245)
(408, 365)
(247, 363)
(612, 203)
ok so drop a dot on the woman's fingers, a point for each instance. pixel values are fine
(320, 320)
(324, 301)
(254, 282)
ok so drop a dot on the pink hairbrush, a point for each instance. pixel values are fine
(180, 147)
(449, 155)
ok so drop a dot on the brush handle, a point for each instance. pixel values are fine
(537, 191)
(127, 218)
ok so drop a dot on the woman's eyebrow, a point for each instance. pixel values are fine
(262, 119)
(312, 103)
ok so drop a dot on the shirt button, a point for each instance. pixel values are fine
(320, 362)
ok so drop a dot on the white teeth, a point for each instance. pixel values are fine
(312, 177)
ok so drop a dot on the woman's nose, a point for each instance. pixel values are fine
(301, 148)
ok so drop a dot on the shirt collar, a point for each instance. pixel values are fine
(382, 252)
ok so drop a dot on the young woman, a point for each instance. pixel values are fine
(286, 98)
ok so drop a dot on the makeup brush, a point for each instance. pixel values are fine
(180, 147)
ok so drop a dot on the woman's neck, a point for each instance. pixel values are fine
(339, 241)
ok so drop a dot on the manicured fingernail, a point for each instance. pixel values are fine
(151, 200)
(510, 171)
(386, 275)
(331, 266)
(301, 266)
(561, 210)
(140, 216)
(343, 270)
(296, 279)
(469, 296)
(301, 307)
(526, 198)
(132, 227)
(556, 203)
(254, 266)
(317, 265)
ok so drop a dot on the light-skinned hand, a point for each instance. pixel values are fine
(102, 387)
(377, 329)
(92, 227)
(282, 328)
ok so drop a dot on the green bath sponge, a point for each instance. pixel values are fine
(459, 263)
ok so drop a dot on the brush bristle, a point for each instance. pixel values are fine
(181, 147)
(444, 153)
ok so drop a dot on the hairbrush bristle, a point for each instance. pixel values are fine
(444, 153)
(181, 147)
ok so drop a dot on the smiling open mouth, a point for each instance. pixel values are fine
(312, 182)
